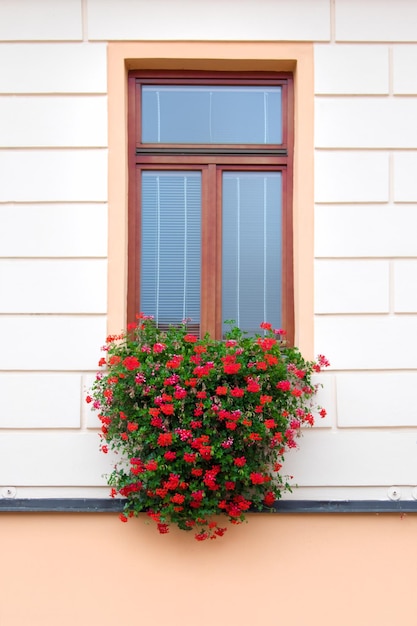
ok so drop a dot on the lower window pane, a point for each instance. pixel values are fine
(252, 249)
(171, 246)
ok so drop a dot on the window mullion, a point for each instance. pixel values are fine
(209, 288)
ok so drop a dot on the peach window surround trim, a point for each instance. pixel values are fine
(232, 56)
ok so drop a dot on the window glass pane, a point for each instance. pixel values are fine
(251, 249)
(171, 246)
(205, 114)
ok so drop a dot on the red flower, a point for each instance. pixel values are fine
(269, 423)
(237, 393)
(267, 343)
(266, 399)
(190, 338)
(165, 439)
(269, 498)
(205, 452)
(167, 409)
(284, 385)
(131, 363)
(189, 457)
(114, 360)
(266, 326)
(279, 331)
(257, 478)
(132, 426)
(151, 465)
(157, 422)
(197, 471)
(253, 386)
(177, 498)
(163, 528)
(173, 482)
(170, 455)
(255, 437)
(270, 359)
(123, 517)
(240, 461)
(202, 536)
(232, 368)
(221, 391)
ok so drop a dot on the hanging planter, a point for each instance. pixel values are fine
(201, 426)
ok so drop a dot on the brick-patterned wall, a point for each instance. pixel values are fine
(53, 229)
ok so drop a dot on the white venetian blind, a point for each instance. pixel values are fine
(171, 246)
(252, 249)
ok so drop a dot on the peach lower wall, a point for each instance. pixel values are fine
(289, 570)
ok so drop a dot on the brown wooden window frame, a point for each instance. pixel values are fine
(211, 160)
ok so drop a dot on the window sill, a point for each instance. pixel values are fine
(104, 505)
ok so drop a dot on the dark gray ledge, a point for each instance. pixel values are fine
(107, 505)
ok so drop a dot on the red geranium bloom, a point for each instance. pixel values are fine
(256, 478)
(232, 368)
(269, 498)
(131, 363)
(163, 528)
(284, 385)
(170, 455)
(167, 409)
(190, 338)
(178, 498)
(266, 326)
(240, 461)
(165, 439)
(253, 386)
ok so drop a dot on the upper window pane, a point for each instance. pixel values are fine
(211, 115)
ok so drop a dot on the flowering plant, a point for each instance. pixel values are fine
(201, 425)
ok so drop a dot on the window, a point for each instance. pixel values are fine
(210, 219)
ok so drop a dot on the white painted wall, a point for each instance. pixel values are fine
(53, 229)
